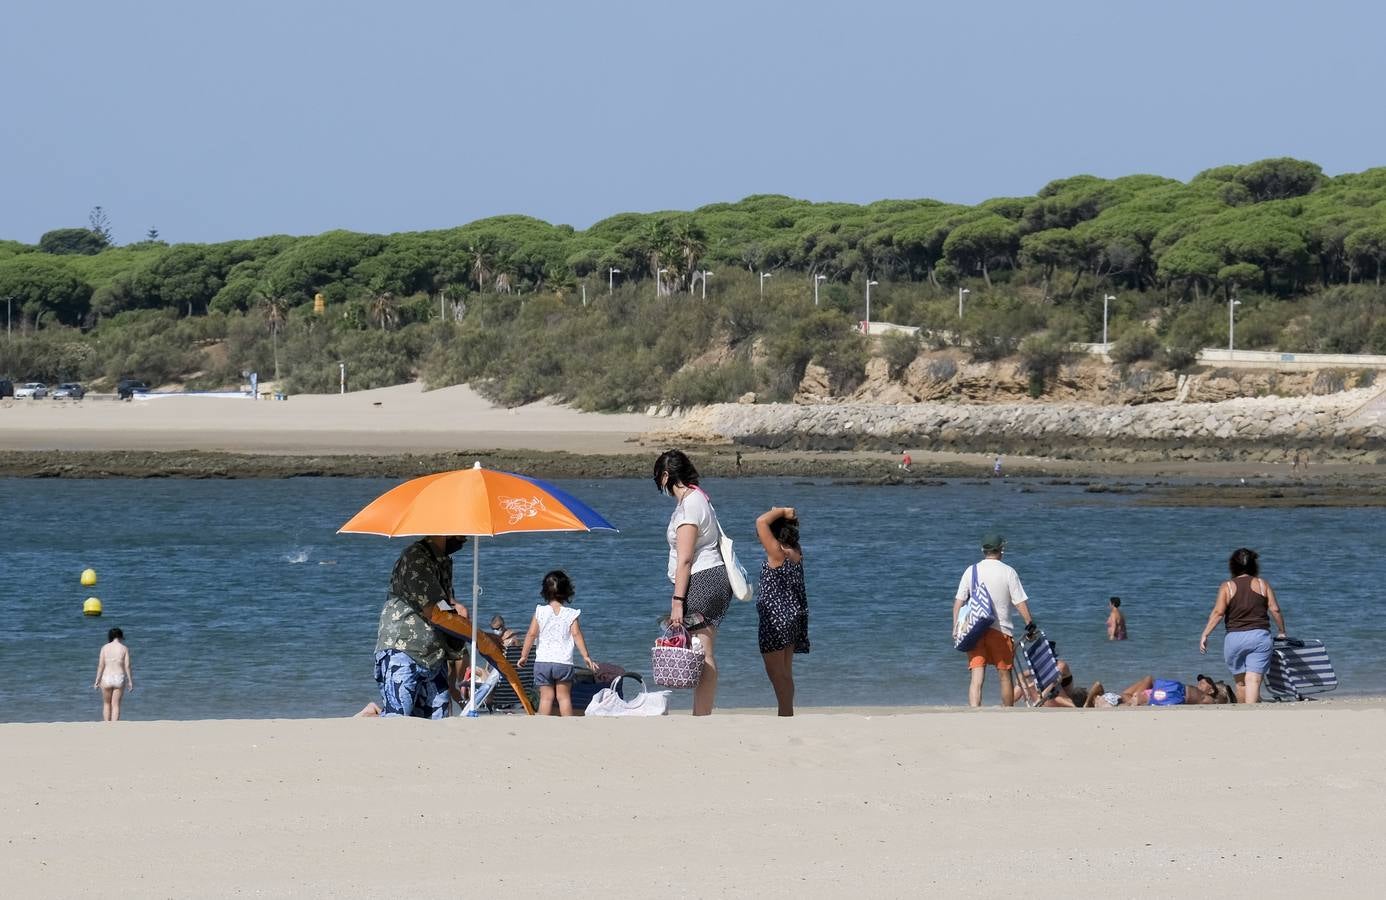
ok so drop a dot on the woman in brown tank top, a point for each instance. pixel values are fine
(1246, 604)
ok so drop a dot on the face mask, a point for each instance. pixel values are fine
(453, 544)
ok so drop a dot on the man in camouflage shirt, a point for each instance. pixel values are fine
(411, 656)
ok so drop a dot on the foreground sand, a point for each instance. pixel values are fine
(1269, 802)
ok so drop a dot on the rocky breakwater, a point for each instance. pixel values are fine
(1342, 426)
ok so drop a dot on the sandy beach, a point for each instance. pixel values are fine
(1266, 802)
(376, 432)
(400, 419)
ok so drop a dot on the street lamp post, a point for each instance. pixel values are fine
(763, 276)
(962, 292)
(706, 276)
(1105, 299)
(869, 282)
(611, 280)
(658, 276)
(9, 336)
(1231, 321)
(817, 279)
(584, 293)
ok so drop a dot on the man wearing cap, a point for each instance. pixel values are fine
(996, 648)
(411, 656)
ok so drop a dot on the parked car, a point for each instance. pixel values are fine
(31, 390)
(129, 387)
(6, 388)
(69, 390)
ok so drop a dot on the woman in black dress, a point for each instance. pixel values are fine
(781, 601)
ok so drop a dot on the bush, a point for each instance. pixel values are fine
(1041, 356)
(899, 349)
(711, 384)
(1135, 346)
(1177, 358)
(1329, 381)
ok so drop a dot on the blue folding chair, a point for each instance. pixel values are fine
(1038, 667)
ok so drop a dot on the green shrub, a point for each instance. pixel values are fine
(1041, 355)
(711, 384)
(1135, 346)
(899, 349)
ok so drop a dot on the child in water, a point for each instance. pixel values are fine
(113, 674)
(555, 627)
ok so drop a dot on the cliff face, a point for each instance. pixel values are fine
(950, 377)
(1090, 410)
(1266, 429)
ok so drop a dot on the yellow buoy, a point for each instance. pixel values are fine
(88, 577)
(92, 607)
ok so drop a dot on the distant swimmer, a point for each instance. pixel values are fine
(1116, 621)
(113, 675)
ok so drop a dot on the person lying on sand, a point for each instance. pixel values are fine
(1147, 692)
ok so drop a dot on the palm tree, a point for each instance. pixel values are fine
(482, 258)
(384, 310)
(276, 307)
(691, 241)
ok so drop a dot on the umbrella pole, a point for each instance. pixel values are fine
(476, 591)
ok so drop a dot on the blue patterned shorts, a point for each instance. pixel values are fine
(408, 689)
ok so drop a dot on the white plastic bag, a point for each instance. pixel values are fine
(607, 702)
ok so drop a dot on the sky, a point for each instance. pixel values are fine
(215, 121)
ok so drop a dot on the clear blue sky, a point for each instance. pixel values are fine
(214, 121)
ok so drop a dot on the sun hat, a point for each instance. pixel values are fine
(992, 541)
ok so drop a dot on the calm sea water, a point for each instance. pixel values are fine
(238, 599)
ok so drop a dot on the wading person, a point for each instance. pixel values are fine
(996, 648)
(1116, 620)
(696, 568)
(411, 656)
(113, 676)
(781, 602)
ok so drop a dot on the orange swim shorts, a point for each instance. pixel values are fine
(994, 649)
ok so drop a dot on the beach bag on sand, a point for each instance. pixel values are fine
(608, 701)
(674, 663)
(976, 617)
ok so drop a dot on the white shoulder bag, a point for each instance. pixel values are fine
(736, 573)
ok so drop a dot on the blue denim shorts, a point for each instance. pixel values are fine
(552, 673)
(408, 689)
(1247, 651)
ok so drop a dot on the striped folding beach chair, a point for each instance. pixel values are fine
(1038, 667)
(1299, 668)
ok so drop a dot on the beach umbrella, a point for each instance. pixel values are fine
(479, 503)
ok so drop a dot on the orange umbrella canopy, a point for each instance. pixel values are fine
(474, 501)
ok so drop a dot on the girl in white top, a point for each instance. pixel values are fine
(555, 627)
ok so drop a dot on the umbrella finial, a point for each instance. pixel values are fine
(477, 464)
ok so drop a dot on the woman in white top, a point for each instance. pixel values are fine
(696, 568)
(555, 626)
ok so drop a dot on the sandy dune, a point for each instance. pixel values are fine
(404, 418)
(1198, 802)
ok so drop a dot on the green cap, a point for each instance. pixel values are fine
(993, 541)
